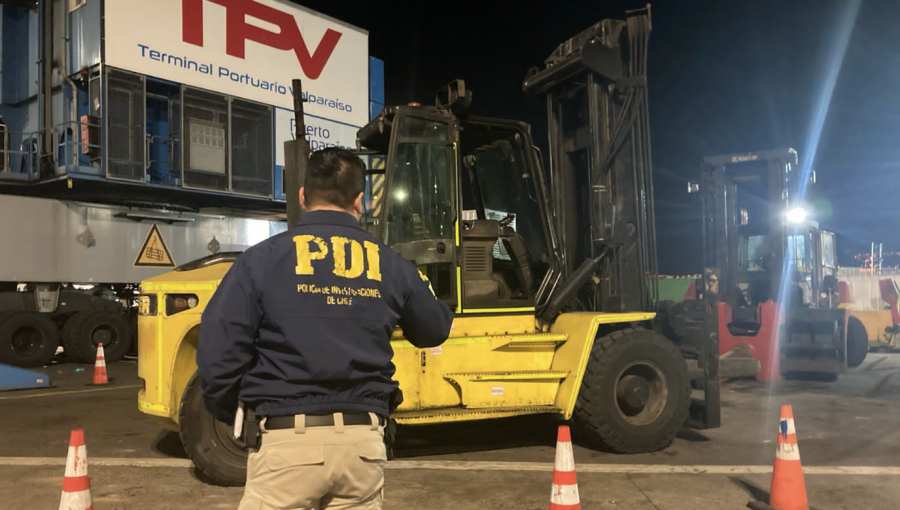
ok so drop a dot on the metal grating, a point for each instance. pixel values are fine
(125, 126)
(205, 144)
(475, 259)
(251, 148)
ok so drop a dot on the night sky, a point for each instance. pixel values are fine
(724, 76)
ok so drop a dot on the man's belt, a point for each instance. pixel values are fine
(315, 420)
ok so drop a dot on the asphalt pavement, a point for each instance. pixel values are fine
(847, 433)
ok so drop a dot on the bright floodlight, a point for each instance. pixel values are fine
(796, 215)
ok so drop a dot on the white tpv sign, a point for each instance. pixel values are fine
(251, 49)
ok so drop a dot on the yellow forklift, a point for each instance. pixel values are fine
(550, 272)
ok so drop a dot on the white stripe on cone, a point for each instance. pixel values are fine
(565, 495)
(787, 451)
(76, 501)
(790, 426)
(76, 464)
(565, 458)
(101, 357)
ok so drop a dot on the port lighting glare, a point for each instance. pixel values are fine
(796, 215)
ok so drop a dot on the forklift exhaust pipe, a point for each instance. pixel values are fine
(571, 287)
(296, 159)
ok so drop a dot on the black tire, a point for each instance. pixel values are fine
(85, 329)
(209, 443)
(27, 339)
(633, 363)
(66, 331)
(857, 342)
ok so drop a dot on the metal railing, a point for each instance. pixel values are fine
(71, 145)
(868, 271)
(20, 155)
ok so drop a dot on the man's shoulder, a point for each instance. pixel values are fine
(268, 246)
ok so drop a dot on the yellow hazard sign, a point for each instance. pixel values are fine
(154, 252)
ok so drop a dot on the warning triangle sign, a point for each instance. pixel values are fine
(154, 252)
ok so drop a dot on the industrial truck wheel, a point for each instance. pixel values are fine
(27, 339)
(857, 342)
(210, 443)
(86, 329)
(635, 395)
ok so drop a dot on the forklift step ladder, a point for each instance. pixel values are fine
(14, 378)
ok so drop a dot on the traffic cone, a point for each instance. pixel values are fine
(788, 488)
(565, 488)
(76, 492)
(100, 367)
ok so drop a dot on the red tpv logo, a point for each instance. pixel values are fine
(238, 32)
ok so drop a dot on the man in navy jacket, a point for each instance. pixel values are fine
(299, 330)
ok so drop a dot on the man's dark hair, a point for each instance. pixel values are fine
(334, 177)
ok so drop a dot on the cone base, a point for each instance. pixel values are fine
(759, 505)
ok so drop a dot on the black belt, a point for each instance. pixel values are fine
(325, 420)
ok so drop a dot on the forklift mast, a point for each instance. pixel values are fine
(601, 191)
(599, 153)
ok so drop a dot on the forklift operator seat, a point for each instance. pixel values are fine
(521, 257)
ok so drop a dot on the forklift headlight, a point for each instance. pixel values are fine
(147, 304)
(177, 303)
(796, 215)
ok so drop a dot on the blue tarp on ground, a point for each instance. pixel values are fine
(14, 378)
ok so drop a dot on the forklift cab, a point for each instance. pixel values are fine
(810, 267)
(460, 201)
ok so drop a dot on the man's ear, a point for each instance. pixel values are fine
(303, 198)
(357, 204)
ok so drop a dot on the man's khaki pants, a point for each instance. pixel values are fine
(317, 468)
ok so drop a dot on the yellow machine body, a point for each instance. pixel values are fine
(496, 363)
(877, 323)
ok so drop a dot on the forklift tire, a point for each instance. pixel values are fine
(857, 342)
(635, 394)
(27, 339)
(85, 329)
(209, 443)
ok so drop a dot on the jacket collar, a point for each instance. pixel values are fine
(324, 217)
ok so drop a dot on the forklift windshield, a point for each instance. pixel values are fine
(753, 253)
(799, 253)
(466, 187)
(421, 199)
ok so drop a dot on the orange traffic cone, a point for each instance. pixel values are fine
(788, 488)
(565, 487)
(76, 492)
(100, 366)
